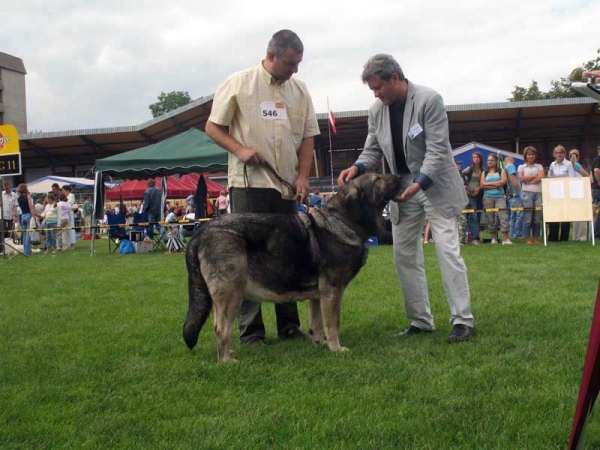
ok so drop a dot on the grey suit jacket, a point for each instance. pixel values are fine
(428, 153)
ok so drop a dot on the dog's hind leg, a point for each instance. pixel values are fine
(200, 304)
(226, 309)
(331, 307)
(315, 321)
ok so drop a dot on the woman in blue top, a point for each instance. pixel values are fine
(492, 182)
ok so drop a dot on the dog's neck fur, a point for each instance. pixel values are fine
(334, 209)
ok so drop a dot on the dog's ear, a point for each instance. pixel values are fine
(353, 196)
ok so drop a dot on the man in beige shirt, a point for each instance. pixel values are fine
(258, 115)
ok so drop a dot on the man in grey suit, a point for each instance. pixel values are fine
(409, 127)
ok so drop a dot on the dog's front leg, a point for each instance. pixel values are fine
(315, 321)
(331, 307)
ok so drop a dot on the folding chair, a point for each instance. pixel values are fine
(141, 218)
(159, 239)
(150, 230)
(115, 231)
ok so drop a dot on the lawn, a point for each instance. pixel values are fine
(91, 356)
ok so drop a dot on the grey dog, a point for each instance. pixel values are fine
(283, 258)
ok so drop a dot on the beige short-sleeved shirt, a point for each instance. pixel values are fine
(269, 116)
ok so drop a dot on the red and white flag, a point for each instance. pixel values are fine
(332, 122)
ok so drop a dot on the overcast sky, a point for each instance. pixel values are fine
(100, 64)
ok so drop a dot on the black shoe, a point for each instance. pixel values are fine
(460, 333)
(412, 330)
(254, 340)
(294, 333)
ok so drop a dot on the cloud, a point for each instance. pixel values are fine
(101, 64)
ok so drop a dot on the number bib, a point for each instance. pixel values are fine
(273, 111)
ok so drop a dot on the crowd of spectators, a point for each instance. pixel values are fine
(487, 185)
(493, 186)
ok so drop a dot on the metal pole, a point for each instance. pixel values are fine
(330, 147)
(2, 220)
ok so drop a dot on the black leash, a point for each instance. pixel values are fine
(287, 184)
(270, 168)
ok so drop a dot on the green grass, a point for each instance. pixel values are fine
(91, 356)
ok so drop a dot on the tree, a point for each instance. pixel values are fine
(560, 88)
(532, 93)
(169, 102)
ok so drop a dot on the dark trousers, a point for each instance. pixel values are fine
(554, 228)
(8, 226)
(250, 317)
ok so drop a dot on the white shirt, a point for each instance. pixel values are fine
(526, 171)
(8, 205)
(564, 169)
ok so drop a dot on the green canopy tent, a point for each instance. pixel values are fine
(189, 152)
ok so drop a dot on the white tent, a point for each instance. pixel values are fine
(44, 185)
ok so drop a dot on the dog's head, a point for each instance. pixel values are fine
(363, 199)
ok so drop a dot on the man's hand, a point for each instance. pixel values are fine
(302, 188)
(409, 192)
(249, 156)
(346, 175)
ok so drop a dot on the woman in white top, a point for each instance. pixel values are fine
(50, 216)
(71, 200)
(531, 175)
(560, 168)
(580, 229)
(65, 213)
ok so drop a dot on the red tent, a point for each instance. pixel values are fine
(176, 187)
(134, 189)
(213, 188)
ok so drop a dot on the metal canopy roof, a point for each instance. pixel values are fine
(530, 121)
(490, 123)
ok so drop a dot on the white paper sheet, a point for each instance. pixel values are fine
(557, 190)
(576, 188)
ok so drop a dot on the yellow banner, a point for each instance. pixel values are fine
(9, 140)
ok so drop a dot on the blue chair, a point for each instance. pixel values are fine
(141, 218)
(116, 233)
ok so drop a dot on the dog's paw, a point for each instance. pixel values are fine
(229, 361)
(338, 348)
(317, 339)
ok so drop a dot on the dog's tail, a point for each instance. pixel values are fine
(199, 297)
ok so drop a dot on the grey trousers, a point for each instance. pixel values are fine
(408, 256)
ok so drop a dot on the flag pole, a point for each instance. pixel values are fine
(330, 147)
